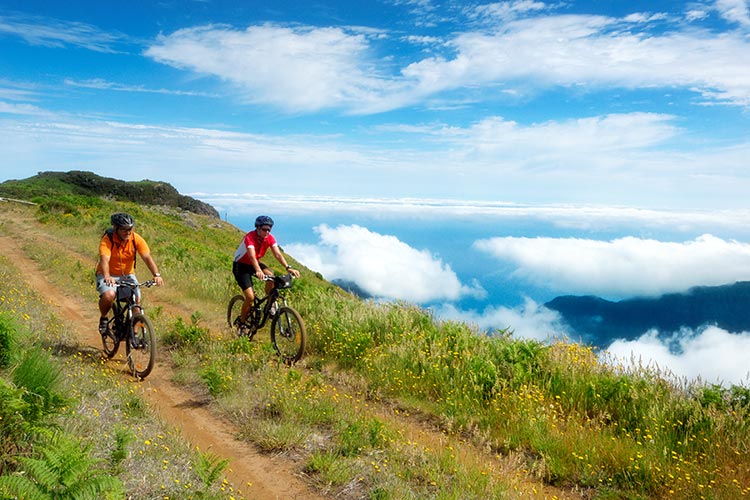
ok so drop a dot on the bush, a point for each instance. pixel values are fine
(7, 340)
(39, 376)
(183, 334)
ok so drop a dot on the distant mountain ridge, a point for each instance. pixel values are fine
(78, 182)
(601, 321)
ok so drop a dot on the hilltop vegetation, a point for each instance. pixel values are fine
(514, 418)
(65, 188)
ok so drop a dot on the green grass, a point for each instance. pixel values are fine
(565, 418)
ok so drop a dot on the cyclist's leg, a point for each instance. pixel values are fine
(106, 295)
(267, 271)
(249, 295)
(132, 278)
(243, 275)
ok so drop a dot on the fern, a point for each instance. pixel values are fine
(209, 468)
(64, 472)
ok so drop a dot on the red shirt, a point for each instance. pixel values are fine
(253, 239)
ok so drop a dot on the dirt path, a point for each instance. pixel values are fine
(258, 476)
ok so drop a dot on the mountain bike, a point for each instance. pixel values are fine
(134, 328)
(287, 328)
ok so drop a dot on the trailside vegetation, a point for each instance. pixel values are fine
(391, 403)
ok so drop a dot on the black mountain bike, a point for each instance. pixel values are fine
(287, 329)
(133, 328)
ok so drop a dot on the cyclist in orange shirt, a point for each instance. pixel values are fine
(117, 254)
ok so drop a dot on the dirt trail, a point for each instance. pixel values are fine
(258, 476)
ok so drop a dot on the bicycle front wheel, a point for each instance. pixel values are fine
(234, 311)
(288, 334)
(141, 347)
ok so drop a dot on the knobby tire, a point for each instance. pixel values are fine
(141, 357)
(288, 334)
(234, 311)
(110, 342)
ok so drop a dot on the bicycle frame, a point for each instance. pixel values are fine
(122, 310)
(263, 311)
(132, 327)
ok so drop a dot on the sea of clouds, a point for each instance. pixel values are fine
(618, 268)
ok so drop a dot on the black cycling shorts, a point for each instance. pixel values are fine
(244, 274)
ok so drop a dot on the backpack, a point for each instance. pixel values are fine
(110, 231)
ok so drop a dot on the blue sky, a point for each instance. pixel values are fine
(624, 124)
(614, 103)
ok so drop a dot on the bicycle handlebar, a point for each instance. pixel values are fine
(271, 278)
(147, 284)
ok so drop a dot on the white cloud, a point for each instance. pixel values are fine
(553, 142)
(381, 265)
(308, 68)
(736, 11)
(297, 69)
(48, 32)
(528, 321)
(712, 354)
(622, 267)
(21, 109)
(590, 52)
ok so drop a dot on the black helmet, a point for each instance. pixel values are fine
(263, 220)
(121, 220)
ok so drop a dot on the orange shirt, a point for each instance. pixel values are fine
(121, 253)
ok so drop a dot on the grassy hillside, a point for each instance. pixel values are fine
(551, 416)
(64, 188)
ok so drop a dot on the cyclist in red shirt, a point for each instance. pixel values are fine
(247, 260)
(117, 254)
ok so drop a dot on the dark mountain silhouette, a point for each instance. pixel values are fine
(601, 321)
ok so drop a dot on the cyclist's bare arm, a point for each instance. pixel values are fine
(151, 263)
(104, 260)
(254, 262)
(280, 257)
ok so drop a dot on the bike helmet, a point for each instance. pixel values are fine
(263, 220)
(121, 220)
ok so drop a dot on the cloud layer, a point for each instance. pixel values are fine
(622, 267)
(712, 354)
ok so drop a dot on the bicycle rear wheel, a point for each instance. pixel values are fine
(141, 347)
(288, 334)
(234, 311)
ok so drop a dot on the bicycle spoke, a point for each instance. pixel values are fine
(141, 348)
(288, 334)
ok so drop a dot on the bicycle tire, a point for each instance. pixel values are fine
(142, 355)
(110, 343)
(288, 334)
(233, 312)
